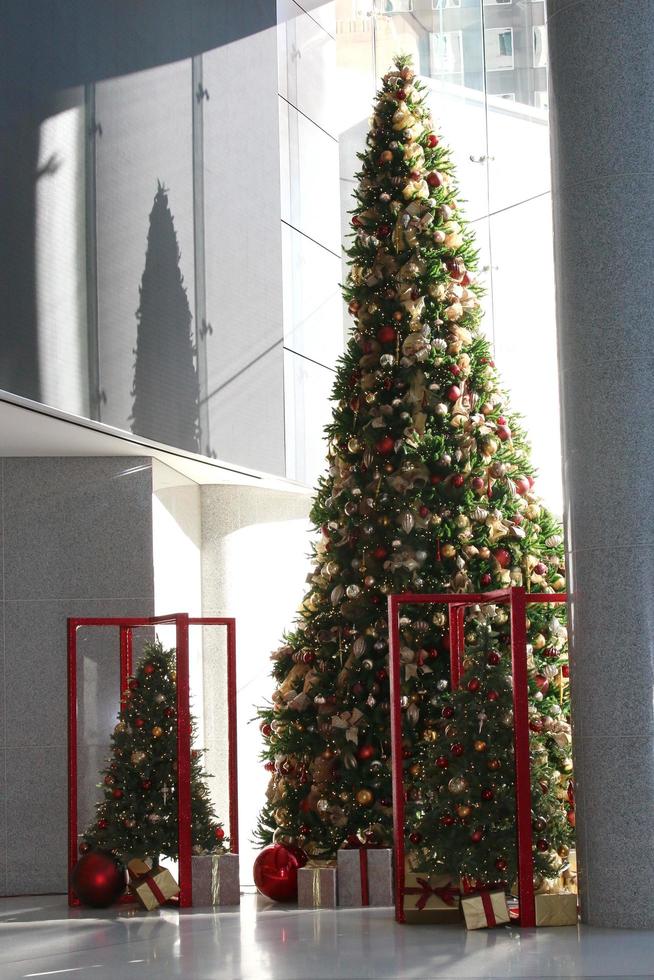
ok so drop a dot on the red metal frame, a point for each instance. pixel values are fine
(517, 599)
(126, 625)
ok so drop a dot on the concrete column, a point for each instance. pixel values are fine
(601, 71)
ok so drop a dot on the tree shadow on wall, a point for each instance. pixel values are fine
(166, 389)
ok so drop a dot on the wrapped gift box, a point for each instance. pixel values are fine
(485, 910)
(138, 867)
(155, 888)
(430, 898)
(215, 879)
(556, 909)
(365, 877)
(316, 885)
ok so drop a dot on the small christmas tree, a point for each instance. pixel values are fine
(138, 815)
(461, 811)
(429, 488)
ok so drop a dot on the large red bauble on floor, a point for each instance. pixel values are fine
(98, 879)
(275, 871)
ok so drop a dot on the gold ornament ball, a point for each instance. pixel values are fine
(462, 521)
(463, 810)
(484, 552)
(364, 797)
(494, 764)
(500, 617)
(438, 619)
(120, 728)
(173, 676)
(457, 785)
(137, 757)
(430, 735)
(451, 731)
(384, 520)
(559, 583)
(129, 823)
(480, 745)
(471, 636)
(538, 641)
(468, 663)
(282, 817)
(344, 796)
(489, 445)
(416, 770)
(327, 754)
(532, 512)
(448, 551)
(157, 732)
(354, 445)
(563, 851)
(322, 806)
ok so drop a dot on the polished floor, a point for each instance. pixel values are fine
(40, 937)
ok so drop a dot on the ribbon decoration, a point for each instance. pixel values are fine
(363, 868)
(446, 893)
(316, 867)
(348, 720)
(489, 912)
(150, 881)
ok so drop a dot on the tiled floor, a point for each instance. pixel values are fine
(40, 937)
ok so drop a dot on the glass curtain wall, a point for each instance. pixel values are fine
(486, 65)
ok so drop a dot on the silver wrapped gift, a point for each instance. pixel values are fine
(316, 885)
(215, 879)
(365, 877)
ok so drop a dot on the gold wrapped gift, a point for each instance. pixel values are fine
(485, 910)
(430, 897)
(556, 909)
(138, 867)
(155, 888)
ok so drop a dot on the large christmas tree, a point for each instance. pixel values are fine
(137, 816)
(430, 488)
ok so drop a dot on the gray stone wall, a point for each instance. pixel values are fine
(75, 540)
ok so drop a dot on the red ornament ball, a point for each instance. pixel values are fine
(457, 749)
(454, 393)
(503, 433)
(458, 480)
(442, 762)
(477, 836)
(434, 179)
(169, 712)
(139, 722)
(493, 658)
(275, 871)
(447, 820)
(448, 711)
(415, 837)
(486, 578)
(146, 784)
(542, 844)
(478, 484)
(571, 817)
(380, 553)
(492, 695)
(117, 793)
(383, 231)
(265, 730)
(102, 823)
(501, 864)
(386, 335)
(386, 446)
(365, 752)
(487, 794)
(219, 833)
(98, 879)
(540, 568)
(432, 140)
(522, 485)
(565, 670)
(473, 684)
(502, 557)
(149, 668)
(134, 684)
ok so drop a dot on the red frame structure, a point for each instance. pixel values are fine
(517, 599)
(126, 626)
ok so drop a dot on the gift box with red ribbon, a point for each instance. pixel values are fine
(485, 909)
(365, 877)
(430, 897)
(154, 888)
